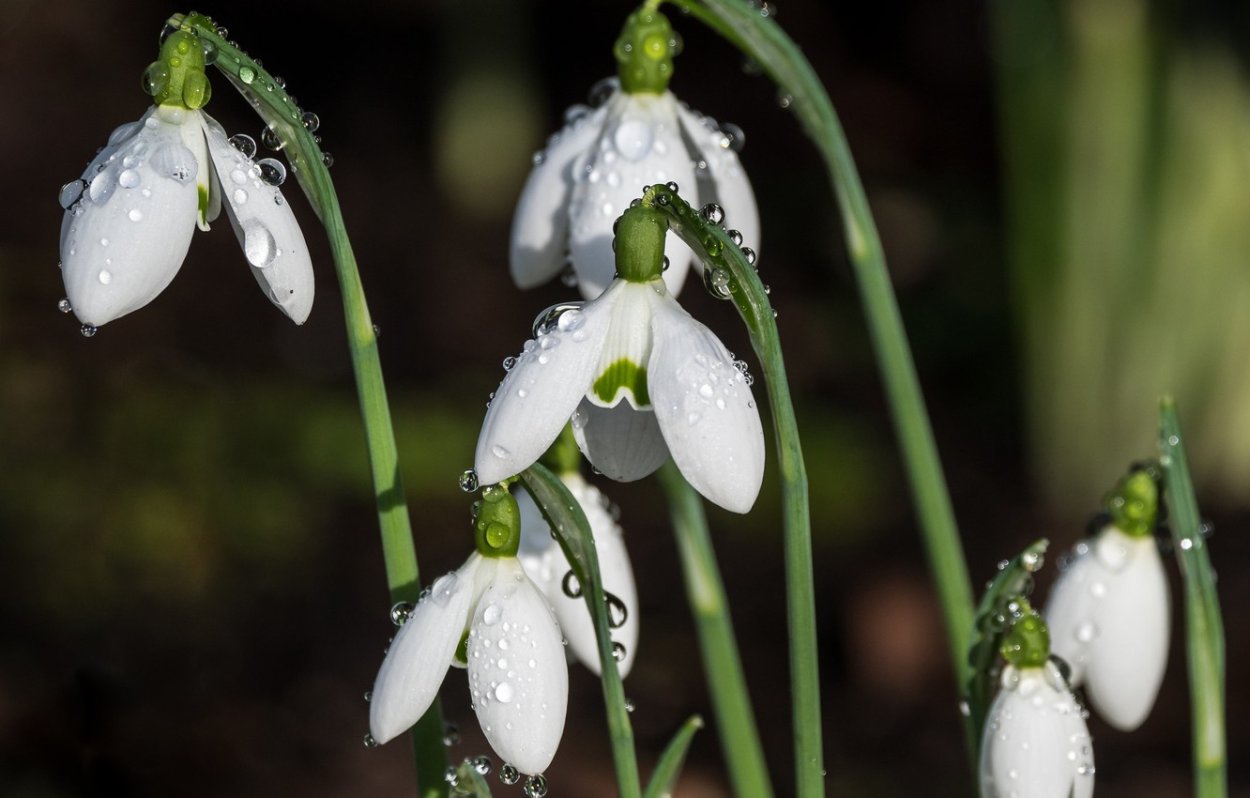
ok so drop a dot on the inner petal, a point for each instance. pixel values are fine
(622, 373)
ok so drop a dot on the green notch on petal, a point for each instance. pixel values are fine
(203, 192)
(627, 374)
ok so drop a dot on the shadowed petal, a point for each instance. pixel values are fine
(621, 443)
(420, 654)
(265, 226)
(705, 408)
(730, 187)
(540, 226)
(517, 672)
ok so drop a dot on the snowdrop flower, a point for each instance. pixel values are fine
(640, 379)
(591, 169)
(545, 563)
(1036, 743)
(514, 652)
(129, 219)
(1109, 612)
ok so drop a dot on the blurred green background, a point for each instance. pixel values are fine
(191, 588)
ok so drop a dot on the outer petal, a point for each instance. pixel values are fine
(622, 443)
(125, 238)
(726, 181)
(546, 564)
(1035, 742)
(517, 672)
(1110, 612)
(419, 656)
(705, 408)
(540, 393)
(265, 226)
(540, 226)
(640, 145)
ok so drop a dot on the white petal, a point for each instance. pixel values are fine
(265, 226)
(705, 408)
(1035, 743)
(640, 145)
(1109, 616)
(420, 654)
(1129, 656)
(546, 565)
(517, 672)
(540, 226)
(626, 349)
(728, 185)
(124, 240)
(540, 393)
(622, 443)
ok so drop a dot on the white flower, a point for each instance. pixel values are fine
(128, 221)
(546, 564)
(645, 380)
(518, 676)
(594, 167)
(1036, 744)
(1109, 615)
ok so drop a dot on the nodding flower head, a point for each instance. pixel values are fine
(130, 216)
(638, 134)
(487, 616)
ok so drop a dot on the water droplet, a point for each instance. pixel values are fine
(271, 171)
(327, 159)
(508, 774)
(712, 213)
(618, 613)
(239, 196)
(1032, 561)
(735, 237)
(618, 651)
(105, 277)
(1085, 632)
(88, 330)
(633, 139)
(64, 306)
(602, 90)
(401, 612)
(492, 614)
(732, 137)
(135, 215)
(548, 321)
(70, 193)
(247, 75)
(258, 245)
(1187, 544)
(468, 481)
(369, 741)
(784, 100)
(310, 121)
(571, 587)
(279, 81)
(717, 281)
(504, 693)
(629, 705)
(269, 138)
(451, 777)
(244, 144)
(499, 451)
(535, 787)
(749, 255)
(482, 765)
(451, 734)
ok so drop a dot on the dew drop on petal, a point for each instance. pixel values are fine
(499, 451)
(535, 787)
(239, 196)
(105, 277)
(571, 587)
(509, 775)
(401, 612)
(70, 192)
(468, 481)
(271, 170)
(244, 144)
(258, 244)
(492, 614)
(88, 330)
(135, 215)
(504, 693)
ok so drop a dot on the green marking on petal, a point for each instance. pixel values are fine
(626, 374)
(203, 192)
(462, 650)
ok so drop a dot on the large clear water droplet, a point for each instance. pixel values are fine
(258, 244)
(271, 171)
(244, 144)
(509, 775)
(70, 192)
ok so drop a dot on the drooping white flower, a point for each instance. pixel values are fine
(1109, 617)
(641, 379)
(546, 564)
(1036, 743)
(518, 676)
(129, 218)
(591, 170)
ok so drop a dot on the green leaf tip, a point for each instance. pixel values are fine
(177, 76)
(496, 523)
(644, 52)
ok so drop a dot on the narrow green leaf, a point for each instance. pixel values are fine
(572, 531)
(1204, 626)
(669, 767)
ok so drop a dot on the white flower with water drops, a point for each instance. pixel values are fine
(130, 217)
(589, 171)
(514, 651)
(1036, 743)
(640, 379)
(546, 564)
(1110, 611)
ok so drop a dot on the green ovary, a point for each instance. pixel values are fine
(626, 374)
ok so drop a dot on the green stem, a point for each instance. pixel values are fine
(1204, 628)
(572, 531)
(761, 39)
(307, 163)
(735, 720)
(721, 257)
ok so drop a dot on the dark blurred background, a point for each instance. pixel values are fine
(191, 588)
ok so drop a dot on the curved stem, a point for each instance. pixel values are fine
(720, 255)
(735, 720)
(283, 117)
